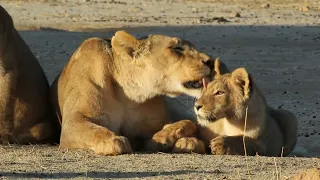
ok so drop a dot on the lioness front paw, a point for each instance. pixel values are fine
(188, 145)
(165, 139)
(113, 146)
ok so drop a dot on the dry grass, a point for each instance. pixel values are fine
(48, 162)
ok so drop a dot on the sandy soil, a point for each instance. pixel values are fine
(278, 45)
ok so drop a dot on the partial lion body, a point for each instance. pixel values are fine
(24, 111)
(108, 102)
(233, 100)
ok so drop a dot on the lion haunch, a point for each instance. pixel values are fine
(24, 101)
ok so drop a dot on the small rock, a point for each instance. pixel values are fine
(265, 6)
(86, 0)
(194, 9)
(236, 14)
(304, 9)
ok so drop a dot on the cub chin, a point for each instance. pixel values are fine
(233, 115)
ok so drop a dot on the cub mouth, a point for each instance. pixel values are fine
(209, 117)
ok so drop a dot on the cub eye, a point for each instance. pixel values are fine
(218, 93)
(177, 48)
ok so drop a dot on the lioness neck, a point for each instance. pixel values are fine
(135, 79)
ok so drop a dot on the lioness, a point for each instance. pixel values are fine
(221, 112)
(24, 91)
(109, 95)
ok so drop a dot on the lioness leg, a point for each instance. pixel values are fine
(6, 104)
(43, 132)
(165, 139)
(81, 132)
(233, 145)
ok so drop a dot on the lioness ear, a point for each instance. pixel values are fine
(217, 67)
(124, 44)
(242, 78)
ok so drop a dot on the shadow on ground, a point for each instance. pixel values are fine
(98, 174)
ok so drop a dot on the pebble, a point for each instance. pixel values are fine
(304, 9)
(236, 15)
(265, 5)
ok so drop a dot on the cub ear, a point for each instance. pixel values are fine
(242, 78)
(124, 44)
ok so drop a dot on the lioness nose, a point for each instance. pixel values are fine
(205, 59)
(198, 106)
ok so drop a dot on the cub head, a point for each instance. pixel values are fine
(226, 96)
(163, 65)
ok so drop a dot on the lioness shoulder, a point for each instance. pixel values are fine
(232, 109)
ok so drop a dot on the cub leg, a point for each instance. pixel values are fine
(80, 132)
(165, 139)
(233, 145)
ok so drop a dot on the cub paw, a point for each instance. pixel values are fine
(222, 145)
(233, 145)
(113, 146)
(188, 145)
(165, 139)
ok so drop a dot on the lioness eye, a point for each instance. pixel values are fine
(177, 48)
(218, 93)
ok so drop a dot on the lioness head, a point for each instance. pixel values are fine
(227, 96)
(161, 65)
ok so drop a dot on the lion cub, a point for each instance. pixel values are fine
(221, 112)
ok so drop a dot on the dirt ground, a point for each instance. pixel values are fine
(279, 45)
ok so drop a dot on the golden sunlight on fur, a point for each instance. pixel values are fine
(109, 95)
(221, 114)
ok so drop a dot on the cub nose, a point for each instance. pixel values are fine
(198, 106)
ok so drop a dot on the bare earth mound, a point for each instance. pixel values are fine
(278, 44)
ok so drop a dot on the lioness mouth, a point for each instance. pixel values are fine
(196, 84)
(193, 84)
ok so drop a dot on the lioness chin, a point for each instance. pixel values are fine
(230, 101)
(24, 91)
(110, 94)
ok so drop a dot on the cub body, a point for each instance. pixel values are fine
(232, 109)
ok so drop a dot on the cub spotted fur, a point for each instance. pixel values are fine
(24, 90)
(221, 113)
(109, 95)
